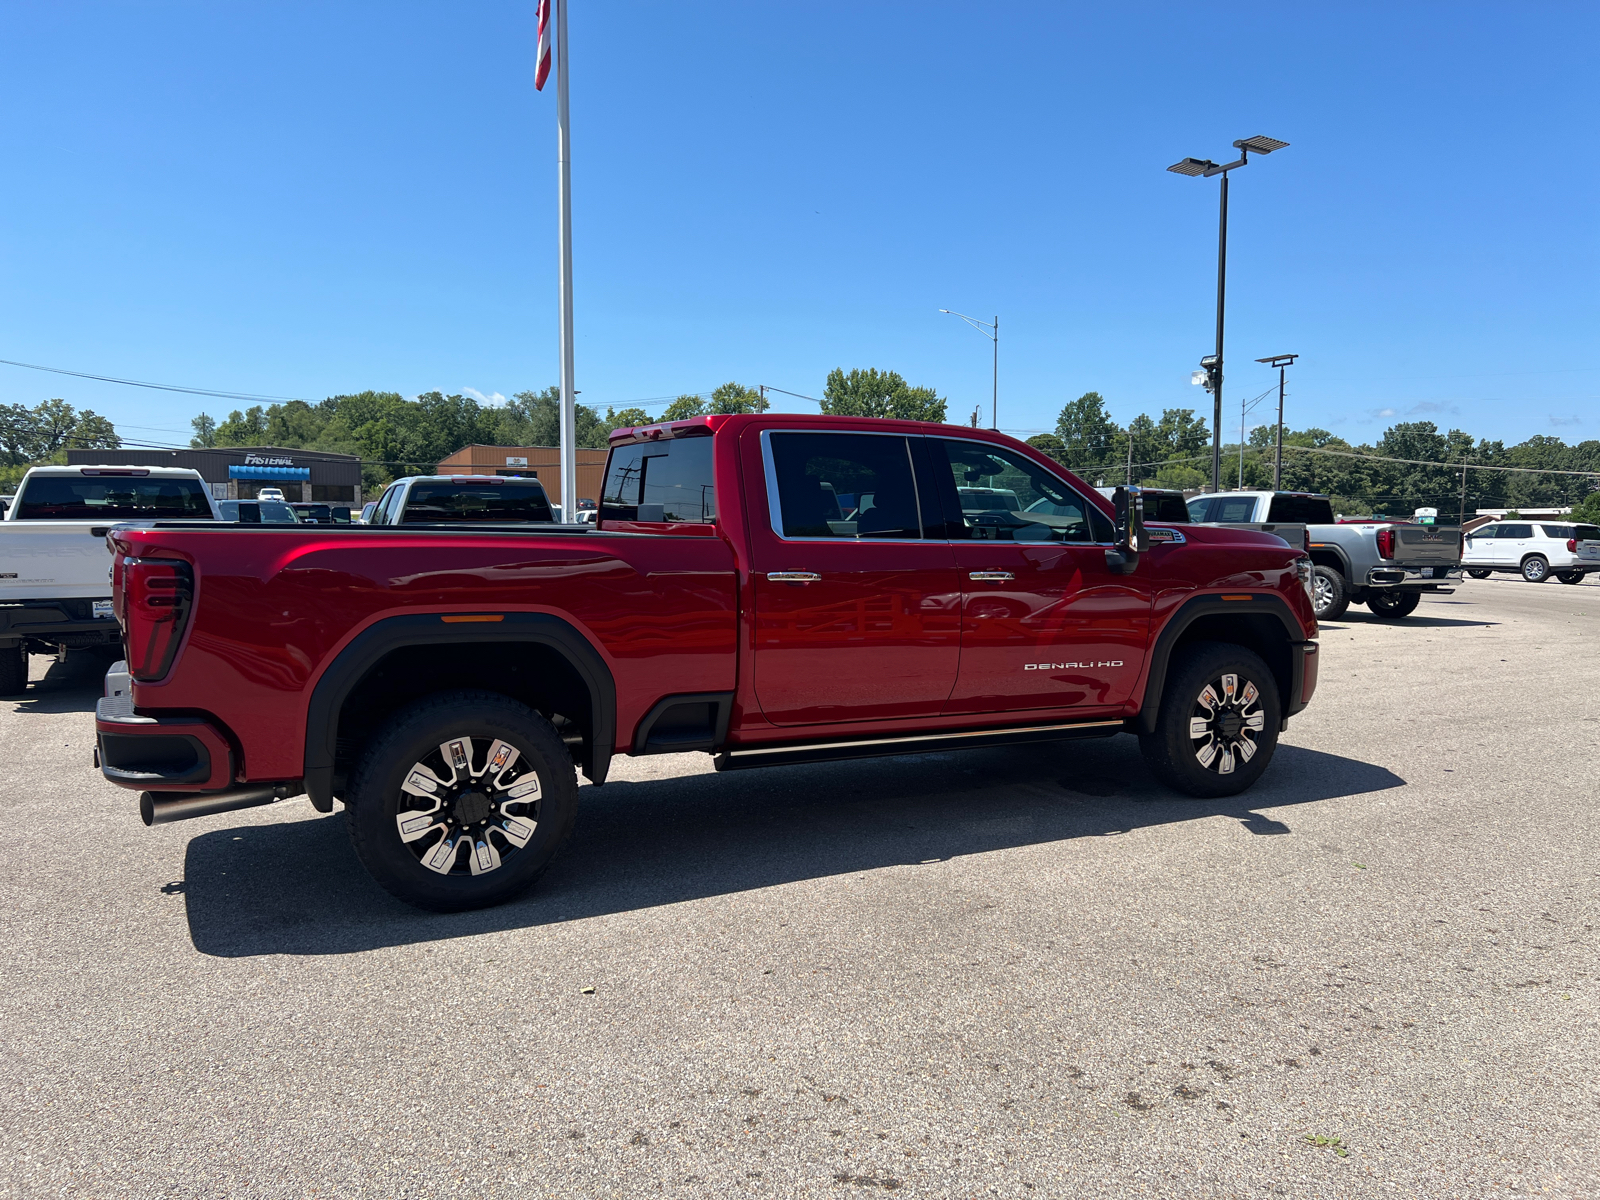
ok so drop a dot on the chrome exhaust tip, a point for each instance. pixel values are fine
(162, 808)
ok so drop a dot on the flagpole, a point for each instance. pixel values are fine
(569, 422)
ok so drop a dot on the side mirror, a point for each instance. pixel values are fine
(1132, 539)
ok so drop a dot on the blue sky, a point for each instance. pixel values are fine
(303, 199)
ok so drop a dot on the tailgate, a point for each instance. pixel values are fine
(1589, 552)
(54, 560)
(1426, 545)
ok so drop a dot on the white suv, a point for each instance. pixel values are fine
(1535, 550)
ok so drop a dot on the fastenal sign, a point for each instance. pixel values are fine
(262, 460)
(516, 462)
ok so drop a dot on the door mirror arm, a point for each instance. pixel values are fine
(1132, 540)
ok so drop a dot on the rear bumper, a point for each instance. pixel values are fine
(68, 622)
(156, 753)
(1303, 676)
(1426, 578)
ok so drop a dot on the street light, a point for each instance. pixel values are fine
(1280, 361)
(992, 332)
(1205, 168)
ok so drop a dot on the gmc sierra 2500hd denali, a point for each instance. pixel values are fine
(768, 589)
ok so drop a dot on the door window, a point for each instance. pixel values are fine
(1516, 531)
(1004, 497)
(853, 486)
(1234, 510)
(385, 513)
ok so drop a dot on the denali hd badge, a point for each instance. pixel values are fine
(1070, 666)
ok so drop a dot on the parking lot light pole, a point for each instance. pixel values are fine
(1205, 168)
(992, 332)
(1280, 361)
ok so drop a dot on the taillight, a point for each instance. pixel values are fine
(1572, 545)
(156, 595)
(1386, 543)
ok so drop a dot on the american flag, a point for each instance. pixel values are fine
(542, 72)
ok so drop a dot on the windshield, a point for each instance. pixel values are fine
(519, 501)
(114, 498)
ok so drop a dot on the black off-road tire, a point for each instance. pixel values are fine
(1479, 573)
(1391, 605)
(1536, 568)
(416, 737)
(1570, 576)
(1177, 758)
(13, 670)
(1330, 594)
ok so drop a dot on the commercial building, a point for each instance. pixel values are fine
(529, 462)
(240, 472)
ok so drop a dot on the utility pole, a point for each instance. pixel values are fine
(1130, 453)
(995, 418)
(1280, 361)
(569, 413)
(1462, 519)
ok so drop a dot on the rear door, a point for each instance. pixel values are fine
(857, 601)
(1512, 543)
(1045, 623)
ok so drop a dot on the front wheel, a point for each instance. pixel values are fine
(1479, 573)
(1218, 722)
(462, 802)
(1393, 604)
(13, 670)
(1535, 569)
(1570, 576)
(1330, 595)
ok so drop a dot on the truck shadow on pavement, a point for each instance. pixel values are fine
(296, 887)
(69, 687)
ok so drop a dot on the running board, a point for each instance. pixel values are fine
(921, 743)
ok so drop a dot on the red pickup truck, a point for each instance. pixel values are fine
(768, 589)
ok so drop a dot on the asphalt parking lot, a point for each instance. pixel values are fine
(993, 973)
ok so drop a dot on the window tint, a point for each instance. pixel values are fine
(1005, 497)
(1586, 533)
(660, 481)
(1197, 509)
(1240, 510)
(384, 514)
(1516, 531)
(844, 485)
(476, 502)
(1166, 506)
(1301, 510)
(111, 498)
(1558, 531)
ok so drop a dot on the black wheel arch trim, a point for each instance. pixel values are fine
(1336, 551)
(1191, 611)
(372, 644)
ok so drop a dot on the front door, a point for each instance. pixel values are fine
(1512, 544)
(1045, 623)
(857, 601)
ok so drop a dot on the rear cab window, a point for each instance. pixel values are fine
(669, 480)
(441, 501)
(112, 498)
(1301, 510)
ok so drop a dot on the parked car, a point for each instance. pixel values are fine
(55, 587)
(443, 692)
(1386, 565)
(456, 499)
(257, 512)
(322, 514)
(1536, 550)
(271, 493)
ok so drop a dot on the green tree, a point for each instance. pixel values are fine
(626, 417)
(1048, 443)
(871, 393)
(45, 432)
(683, 408)
(248, 428)
(1181, 434)
(736, 398)
(1088, 433)
(205, 431)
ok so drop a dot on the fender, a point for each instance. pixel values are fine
(1261, 603)
(1338, 552)
(418, 629)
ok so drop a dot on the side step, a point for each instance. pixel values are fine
(741, 759)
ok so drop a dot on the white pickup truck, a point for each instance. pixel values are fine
(55, 569)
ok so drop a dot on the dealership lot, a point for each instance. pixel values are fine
(1014, 973)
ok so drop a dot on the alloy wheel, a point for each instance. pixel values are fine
(1322, 593)
(1226, 716)
(468, 806)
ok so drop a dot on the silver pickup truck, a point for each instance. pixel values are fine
(1386, 565)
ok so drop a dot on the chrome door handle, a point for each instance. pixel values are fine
(990, 576)
(793, 577)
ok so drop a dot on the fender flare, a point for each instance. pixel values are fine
(1342, 555)
(1190, 611)
(372, 644)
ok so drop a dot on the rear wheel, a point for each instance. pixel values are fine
(462, 802)
(1479, 573)
(13, 670)
(1394, 604)
(1535, 569)
(1218, 722)
(1570, 576)
(1330, 595)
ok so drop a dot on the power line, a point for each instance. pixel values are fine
(160, 387)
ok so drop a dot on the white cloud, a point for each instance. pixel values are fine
(1380, 414)
(493, 399)
(1429, 406)
(1573, 420)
